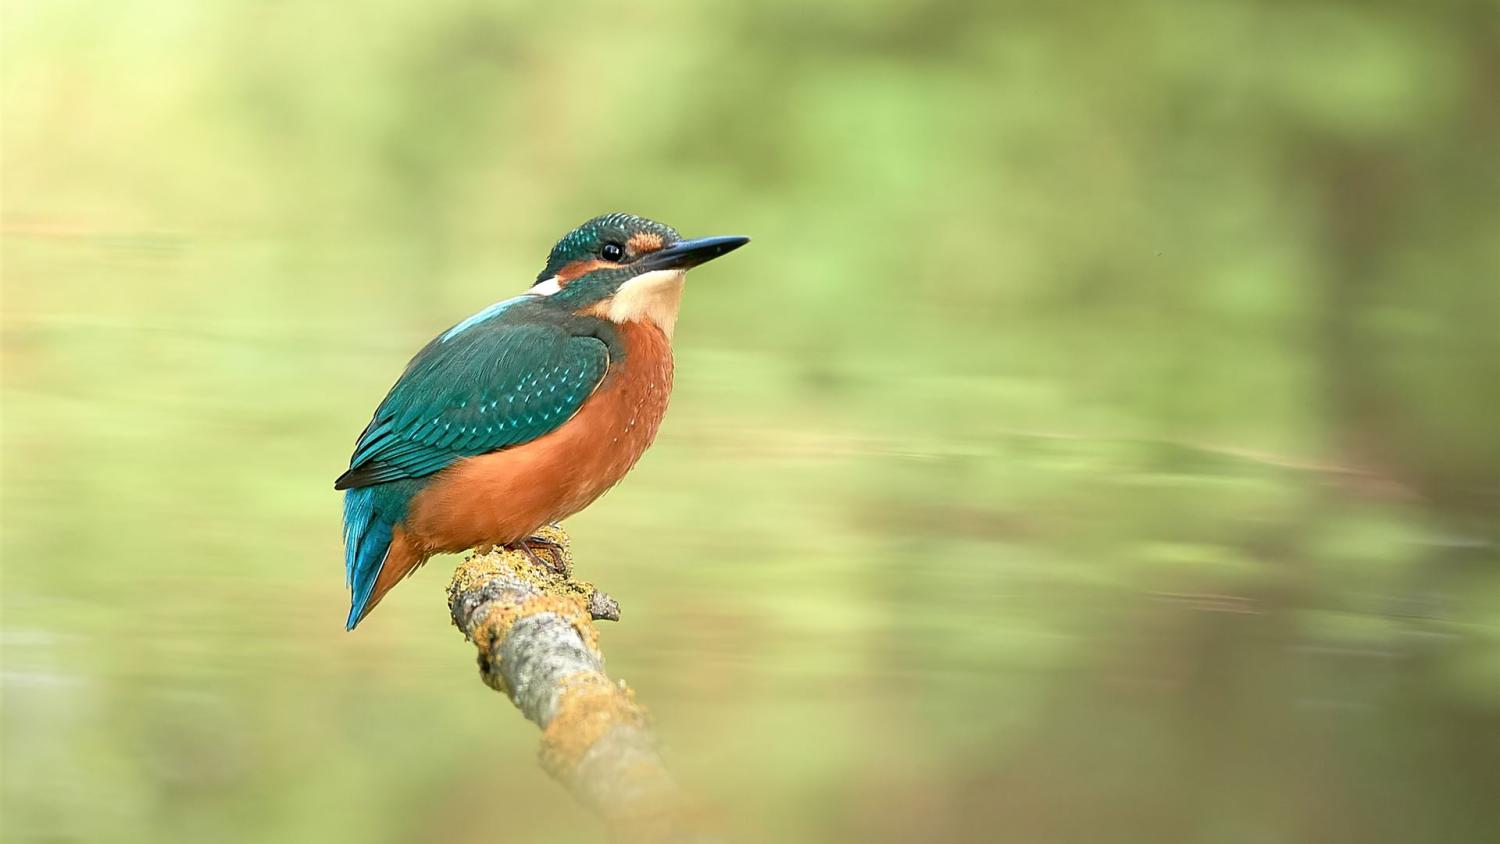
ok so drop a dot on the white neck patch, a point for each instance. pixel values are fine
(654, 296)
(546, 287)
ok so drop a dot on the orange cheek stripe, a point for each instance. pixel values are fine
(578, 268)
(643, 242)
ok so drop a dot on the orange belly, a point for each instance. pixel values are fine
(506, 495)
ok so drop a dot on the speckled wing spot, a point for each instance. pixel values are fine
(481, 391)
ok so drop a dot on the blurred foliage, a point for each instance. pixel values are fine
(1097, 442)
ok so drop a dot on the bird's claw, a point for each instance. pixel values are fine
(556, 560)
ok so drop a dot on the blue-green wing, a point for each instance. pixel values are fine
(474, 391)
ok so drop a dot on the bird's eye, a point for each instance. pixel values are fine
(612, 252)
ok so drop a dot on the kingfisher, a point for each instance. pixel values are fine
(524, 413)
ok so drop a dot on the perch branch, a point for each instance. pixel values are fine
(538, 645)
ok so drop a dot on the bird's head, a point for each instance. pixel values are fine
(626, 268)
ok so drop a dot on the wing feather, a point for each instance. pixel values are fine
(488, 387)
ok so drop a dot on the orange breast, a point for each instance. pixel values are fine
(505, 496)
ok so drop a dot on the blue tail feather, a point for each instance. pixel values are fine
(367, 537)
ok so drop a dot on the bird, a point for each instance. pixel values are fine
(524, 413)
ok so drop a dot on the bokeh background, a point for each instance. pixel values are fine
(1097, 443)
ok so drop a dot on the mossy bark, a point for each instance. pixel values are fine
(534, 629)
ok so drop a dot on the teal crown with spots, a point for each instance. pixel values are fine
(595, 238)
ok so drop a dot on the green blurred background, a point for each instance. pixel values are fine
(1097, 443)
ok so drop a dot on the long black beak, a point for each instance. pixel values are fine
(690, 253)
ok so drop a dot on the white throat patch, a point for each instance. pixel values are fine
(653, 296)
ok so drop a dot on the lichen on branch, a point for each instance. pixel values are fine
(533, 626)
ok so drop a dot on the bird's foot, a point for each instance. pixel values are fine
(556, 559)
